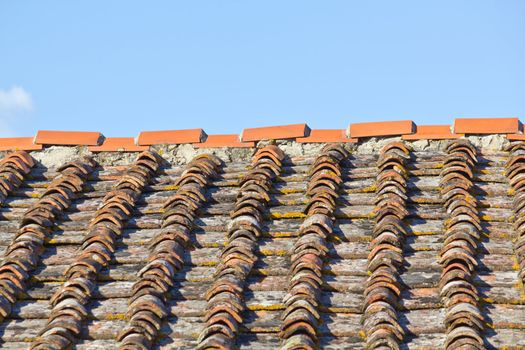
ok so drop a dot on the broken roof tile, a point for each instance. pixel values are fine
(174, 137)
(83, 138)
(432, 132)
(218, 141)
(275, 132)
(19, 143)
(121, 144)
(326, 135)
(487, 126)
(389, 128)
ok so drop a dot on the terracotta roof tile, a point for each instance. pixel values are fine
(147, 138)
(116, 208)
(113, 144)
(516, 137)
(487, 126)
(326, 135)
(217, 141)
(238, 256)
(432, 132)
(19, 143)
(275, 132)
(84, 138)
(401, 127)
(234, 245)
(459, 250)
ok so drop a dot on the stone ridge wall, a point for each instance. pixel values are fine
(54, 156)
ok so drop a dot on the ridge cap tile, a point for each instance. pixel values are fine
(384, 128)
(516, 137)
(158, 137)
(289, 131)
(118, 144)
(487, 126)
(19, 144)
(432, 132)
(326, 135)
(224, 140)
(68, 138)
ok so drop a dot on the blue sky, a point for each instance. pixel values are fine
(120, 67)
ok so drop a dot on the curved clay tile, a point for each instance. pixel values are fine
(382, 292)
(69, 302)
(463, 319)
(224, 297)
(301, 316)
(516, 174)
(23, 253)
(13, 168)
(148, 303)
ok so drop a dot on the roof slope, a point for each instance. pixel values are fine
(337, 248)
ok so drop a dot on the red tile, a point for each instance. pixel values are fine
(326, 135)
(432, 132)
(516, 137)
(122, 144)
(275, 132)
(487, 125)
(217, 141)
(18, 144)
(48, 137)
(173, 137)
(401, 127)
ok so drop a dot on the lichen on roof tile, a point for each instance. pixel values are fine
(408, 243)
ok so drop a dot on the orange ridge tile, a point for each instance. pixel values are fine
(326, 135)
(70, 138)
(174, 137)
(516, 137)
(275, 132)
(230, 140)
(432, 132)
(118, 144)
(18, 144)
(487, 126)
(371, 129)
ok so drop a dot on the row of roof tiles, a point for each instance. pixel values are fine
(512, 127)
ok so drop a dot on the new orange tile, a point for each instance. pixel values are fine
(432, 132)
(49, 137)
(122, 144)
(326, 135)
(487, 125)
(18, 144)
(275, 132)
(370, 129)
(516, 137)
(217, 141)
(173, 137)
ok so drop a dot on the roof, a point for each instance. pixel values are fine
(336, 244)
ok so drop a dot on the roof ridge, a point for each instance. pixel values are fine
(407, 129)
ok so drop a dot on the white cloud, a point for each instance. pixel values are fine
(15, 106)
